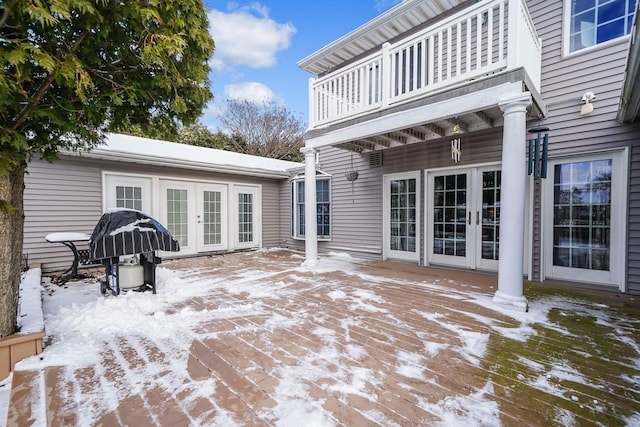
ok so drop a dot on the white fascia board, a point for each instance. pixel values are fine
(127, 157)
(474, 101)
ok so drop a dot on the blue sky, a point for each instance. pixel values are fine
(259, 43)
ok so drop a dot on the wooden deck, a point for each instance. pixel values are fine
(374, 343)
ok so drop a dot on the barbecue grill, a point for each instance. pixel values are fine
(125, 241)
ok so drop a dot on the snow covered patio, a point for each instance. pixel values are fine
(254, 339)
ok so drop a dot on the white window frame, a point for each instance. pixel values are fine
(567, 35)
(295, 218)
(615, 277)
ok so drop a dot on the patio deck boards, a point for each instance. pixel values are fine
(382, 344)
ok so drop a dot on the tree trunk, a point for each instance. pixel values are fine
(11, 232)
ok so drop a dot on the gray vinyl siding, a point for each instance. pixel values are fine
(59, 197)
(565, 78)
(66, 196)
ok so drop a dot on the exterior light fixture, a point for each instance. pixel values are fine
(587, 100)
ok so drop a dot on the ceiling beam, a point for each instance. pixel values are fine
(484, 117)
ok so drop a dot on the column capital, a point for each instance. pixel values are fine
(308, 151)
(515, 103)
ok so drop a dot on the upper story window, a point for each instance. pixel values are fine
(592, 22)
(323, 206)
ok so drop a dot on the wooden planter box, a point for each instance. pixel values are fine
(17, 347)
(21, 345)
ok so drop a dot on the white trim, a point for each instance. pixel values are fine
(615, 277)
(387, 253)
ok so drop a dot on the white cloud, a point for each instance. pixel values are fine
(253, 92)
(246, 36)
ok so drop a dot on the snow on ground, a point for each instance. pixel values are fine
(82, 323)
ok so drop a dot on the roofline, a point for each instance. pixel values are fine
(389, 15)
(630, 93)
(123, 156)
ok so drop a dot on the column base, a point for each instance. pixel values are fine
(510, 301)
(309, 263)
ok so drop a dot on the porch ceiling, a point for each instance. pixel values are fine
(470, 122)
(396, 21)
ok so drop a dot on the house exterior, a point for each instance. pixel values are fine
(210, 200)
(432, 104)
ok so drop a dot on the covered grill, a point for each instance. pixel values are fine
(136, 237)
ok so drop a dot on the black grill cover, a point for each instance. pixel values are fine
(127, 232)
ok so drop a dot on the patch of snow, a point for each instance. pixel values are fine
(30, 315)
(475, 409)
(5, 395)
(410, 365)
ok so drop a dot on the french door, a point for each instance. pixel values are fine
(585, 201)
(211, 217)
(463, 217)
(195, 214)
(401, 220)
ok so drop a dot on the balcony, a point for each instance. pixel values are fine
(487, 38)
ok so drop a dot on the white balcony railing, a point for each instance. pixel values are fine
(486, 38)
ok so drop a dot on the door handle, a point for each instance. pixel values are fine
(469, 217)
(477, 217)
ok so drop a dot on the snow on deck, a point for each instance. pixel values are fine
(255, 339)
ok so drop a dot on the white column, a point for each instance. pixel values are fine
(310, 209)
(512, 202)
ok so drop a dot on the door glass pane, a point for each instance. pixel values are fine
(177, 215)
(490, 214)
(245, 217)
(403, 215)
(449, 215)
(582, 214)
(212, 217)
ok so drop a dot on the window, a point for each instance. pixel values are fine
(127, 192)
(129, 197)
(592, 22)
(323, 207)
(245, 217)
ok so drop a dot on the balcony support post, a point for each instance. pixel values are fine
(310, 220)
(386, 89)
(512, 202)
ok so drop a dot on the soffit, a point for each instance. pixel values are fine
(394, 22)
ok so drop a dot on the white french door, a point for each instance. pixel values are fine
(585, 200)
(247, 210)
(177, 212)
(463, 217)
(211, 217)
(196, 214)
(401, 220)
